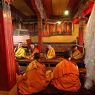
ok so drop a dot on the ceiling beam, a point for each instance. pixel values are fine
(16, 12)
(81, 7)
(38, 7)
(28, 2)
(22, 6)
(71, 7)
(47, 5)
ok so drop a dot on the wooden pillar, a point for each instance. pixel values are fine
(40, 33)
(7, 59)
(81, 35)
(82, 24)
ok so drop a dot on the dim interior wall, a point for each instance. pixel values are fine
(63, 39)
(34, 39)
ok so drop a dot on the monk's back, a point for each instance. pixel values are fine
(66, 76)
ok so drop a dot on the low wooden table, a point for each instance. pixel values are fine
(23, 62)
(48, 62)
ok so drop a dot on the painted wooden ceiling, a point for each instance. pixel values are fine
(53, 8)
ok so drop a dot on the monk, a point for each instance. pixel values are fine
(34, 50)
(35, 79)
(20, 51)
(66, 75)
(50, 53)
(76, 54)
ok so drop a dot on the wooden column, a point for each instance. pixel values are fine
(82, 25)
(7, 59)
(40, 33)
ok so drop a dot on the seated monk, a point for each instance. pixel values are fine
(35, 79)
(34, 50)
(76, 54)
(66, 75)
(50, 53)
(20, 51)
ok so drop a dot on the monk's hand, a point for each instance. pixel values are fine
(19, 78)
(49, 74)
